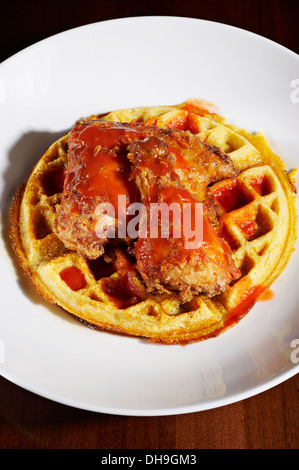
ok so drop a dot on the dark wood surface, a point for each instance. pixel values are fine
(269, 420)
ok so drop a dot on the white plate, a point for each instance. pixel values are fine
(124, 63)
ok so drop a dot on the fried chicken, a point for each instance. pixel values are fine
(145, 163)
(168, 263)
(98, 171)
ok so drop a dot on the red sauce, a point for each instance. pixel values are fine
(250, 295)
(98, 156)
(200, 107)
(249, 228)
(73, 277)
(182, 196)
(268, 294)
(230, 195)
(183, 121)
(246, 220)
(152, 251)
(123, 290)
(261, 185)
(99, 166)
(192, 124)
(159, 165)
(178, 121)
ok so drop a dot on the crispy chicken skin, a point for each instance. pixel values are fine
(98, 171)
(165, 262)
(198, 164)
(145, 163)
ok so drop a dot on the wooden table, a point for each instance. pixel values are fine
(268, 420)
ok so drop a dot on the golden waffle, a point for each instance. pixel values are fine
(258, 219)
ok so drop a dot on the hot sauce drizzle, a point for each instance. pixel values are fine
(73, 277)
(249, 296)
(150, 251)
(230, 195)
(105, 161)
(98, 157)
(268, 294)
(261, 185)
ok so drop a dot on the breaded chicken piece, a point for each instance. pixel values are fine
(196, 163)
(167, 263)
(98, 171)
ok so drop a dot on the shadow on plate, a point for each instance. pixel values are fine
(22, 157)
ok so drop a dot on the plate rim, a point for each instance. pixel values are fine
(279, 378)
(159, 411)
(146, 17)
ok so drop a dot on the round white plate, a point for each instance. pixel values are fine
(131, 62)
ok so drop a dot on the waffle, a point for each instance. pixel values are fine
(257, 218)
